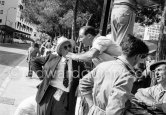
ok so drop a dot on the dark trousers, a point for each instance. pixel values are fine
(49, 106)
(30, 72)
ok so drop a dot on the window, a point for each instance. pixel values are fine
(0, 20)
(2, 2)
(1, 11)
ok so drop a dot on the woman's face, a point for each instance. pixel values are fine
(65, 48)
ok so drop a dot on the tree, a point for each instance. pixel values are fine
(55, 17)
(149, 15)
(146, 16)
(44, 14)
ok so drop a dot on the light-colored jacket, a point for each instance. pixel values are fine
(110, 84)
(107, 47)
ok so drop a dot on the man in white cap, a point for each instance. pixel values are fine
(155, 96)
(57, 90)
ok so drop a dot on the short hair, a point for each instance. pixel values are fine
(132, 46)
(89, 30)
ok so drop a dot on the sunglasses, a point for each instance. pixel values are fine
(66, 47)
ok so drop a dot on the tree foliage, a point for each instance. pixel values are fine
(147, 14)
(52, 16)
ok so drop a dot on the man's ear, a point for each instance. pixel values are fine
(89, 36)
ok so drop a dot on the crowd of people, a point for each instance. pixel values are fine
(118, 83)
(115, 85)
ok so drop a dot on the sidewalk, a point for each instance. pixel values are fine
(15, 87)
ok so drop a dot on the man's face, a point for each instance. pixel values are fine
(160, 73)
(85, 39)
(140, 58)
(65, 48)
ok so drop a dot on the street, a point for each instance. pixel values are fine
(14, 86)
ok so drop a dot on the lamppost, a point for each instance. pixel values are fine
(7, 13)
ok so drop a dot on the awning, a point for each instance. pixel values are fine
(9, 29)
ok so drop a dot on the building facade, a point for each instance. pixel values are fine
(12, 25)
(152, 32)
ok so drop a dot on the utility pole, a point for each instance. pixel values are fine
(161, 50)
(74, 20)
(106, 13)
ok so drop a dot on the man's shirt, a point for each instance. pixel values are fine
(108, 49)
(155, 92)
(57, 81)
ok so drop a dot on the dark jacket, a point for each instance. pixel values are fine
(44, 65)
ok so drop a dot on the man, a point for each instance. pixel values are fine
(56, 93)
(103, 48)
(108, 87)
(33, 52)
(155, 96)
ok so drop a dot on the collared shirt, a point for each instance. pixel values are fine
(155, 92)
(57, 81)
(108, 49)
(110, 84)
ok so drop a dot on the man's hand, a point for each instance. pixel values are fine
(70, 56)
(92, 53)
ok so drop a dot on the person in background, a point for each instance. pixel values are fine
(33, 52)
(155, 96)
(47, 50)
(102, 48)
(108, 87)
(142, 80)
